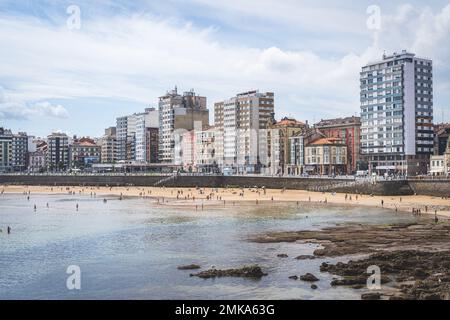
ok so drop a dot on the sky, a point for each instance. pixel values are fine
(74, 66)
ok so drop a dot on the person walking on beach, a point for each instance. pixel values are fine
(436, 220)
(382, 202)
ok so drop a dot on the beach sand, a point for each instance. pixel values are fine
(208, 197)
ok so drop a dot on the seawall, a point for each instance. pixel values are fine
(421, 187)
(438, 188)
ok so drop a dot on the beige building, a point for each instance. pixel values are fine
(440, 164)
(108, 144)
(326, 156)
(179, 112)
(239, 120)
(279, 144)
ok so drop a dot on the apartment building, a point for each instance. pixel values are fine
(84, 152)
(179, 113)
(347, 129)
(326, 156)
(205, 150)
(57, 152)
(6, 137)
(239, 120)
(108, 146)
(397, 114)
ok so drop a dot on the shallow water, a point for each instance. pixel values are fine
(130, 249)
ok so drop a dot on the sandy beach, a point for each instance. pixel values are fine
(195, 198)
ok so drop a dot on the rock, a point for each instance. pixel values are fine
(305, 257)
(371, 296)
(349, 281)
(282, 255)
(189, 267)
(358, 286)
(313, 286)
(430, 296)
(246, 272)
(293, 277)
(309, 277)
(421, 274)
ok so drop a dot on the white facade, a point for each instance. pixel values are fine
(148, 119)
(205, 149)
(397, 113)
(121, 136)
(131, 134)
(184, 150)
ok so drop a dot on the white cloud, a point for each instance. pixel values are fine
(137, 58)
(21, 111)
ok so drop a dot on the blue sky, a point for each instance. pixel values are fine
(127, 53)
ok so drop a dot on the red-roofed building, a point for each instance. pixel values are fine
(326, 156)
(84, 152)
(348, 130)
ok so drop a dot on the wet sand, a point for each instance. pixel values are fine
(195, 198)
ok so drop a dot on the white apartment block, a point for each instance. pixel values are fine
(179, 112)
(184, 149)
(239, 121)
(131, 134)
(205, 150)
(148, 119)
(121, 136)
(397, 114)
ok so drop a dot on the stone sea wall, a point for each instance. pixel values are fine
(420, 187)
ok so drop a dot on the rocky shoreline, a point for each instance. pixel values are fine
(414, 259)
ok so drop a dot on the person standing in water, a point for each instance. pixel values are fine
(8, 230)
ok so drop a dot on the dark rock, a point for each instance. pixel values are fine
(430, 296)
(305, 257)
(293, 277)
(313, 286)
(246, 272)
(189, 267)
(371, 296)
(309, 277)
(358, 286)
(282, 255)
(349, 281)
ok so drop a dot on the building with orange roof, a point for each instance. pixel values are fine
(349, 130)
(84, 152)
(326, 156)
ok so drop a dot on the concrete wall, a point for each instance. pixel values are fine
(439, 188)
